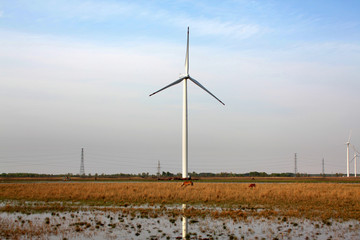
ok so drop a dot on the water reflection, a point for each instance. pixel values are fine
(163, 223)
(184, 223)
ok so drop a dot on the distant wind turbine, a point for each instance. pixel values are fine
(347, 156)
(356, 152)
(185, 115)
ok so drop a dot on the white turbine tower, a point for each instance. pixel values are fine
(355, 158)
(347, 156)
(185, 118)
(356, 152)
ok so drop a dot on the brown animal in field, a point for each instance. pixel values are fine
(252, 185)
(187, 183)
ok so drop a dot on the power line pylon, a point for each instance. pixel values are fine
(158, 168)
(82, 168)
(295, 170)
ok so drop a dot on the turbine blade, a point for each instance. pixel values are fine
(355, 150)
(349, 136)
(187, 55)
(201, 86)
(171, 84)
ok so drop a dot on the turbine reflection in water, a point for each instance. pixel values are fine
(184, 223)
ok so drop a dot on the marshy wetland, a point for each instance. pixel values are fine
(157, 211)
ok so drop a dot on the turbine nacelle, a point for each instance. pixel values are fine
(348, 142)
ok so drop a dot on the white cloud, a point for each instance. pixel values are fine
(67, 70)
(117, 11)
(97, 10)
(333, 47)
(220, 28)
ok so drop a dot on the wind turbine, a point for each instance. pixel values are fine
(355, 158)
(356, 152)
(185, 111)
(347, 156)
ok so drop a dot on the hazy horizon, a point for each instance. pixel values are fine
(78, 75)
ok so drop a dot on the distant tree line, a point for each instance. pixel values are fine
(28, 175)
(169, 174)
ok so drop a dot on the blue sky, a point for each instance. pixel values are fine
(78, 74)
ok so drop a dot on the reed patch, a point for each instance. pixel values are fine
(310, 200)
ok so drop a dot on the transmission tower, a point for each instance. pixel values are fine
(158, 168)
(82, 169)
(323, 167)
(295, 170)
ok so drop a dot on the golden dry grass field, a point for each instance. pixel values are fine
(310, 200)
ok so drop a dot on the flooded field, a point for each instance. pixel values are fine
(167, 211)
(165, 222)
